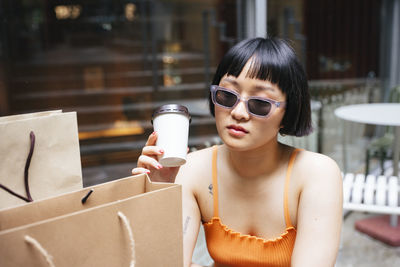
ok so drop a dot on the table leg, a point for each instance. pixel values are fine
(344, 146)
(396, 152)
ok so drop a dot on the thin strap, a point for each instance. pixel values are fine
(215, 180)
(286, 192)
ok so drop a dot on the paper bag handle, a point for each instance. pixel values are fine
(28, 197)
(49, 258)
(130, 234)
(39, 247)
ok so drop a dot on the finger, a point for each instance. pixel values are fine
(139, 170)
(152, 151)
(148, 162)
(151, 141)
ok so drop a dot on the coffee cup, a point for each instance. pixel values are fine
(171, 122)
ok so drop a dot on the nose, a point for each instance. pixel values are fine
(239, 112)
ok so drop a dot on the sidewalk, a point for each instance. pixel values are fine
(360, 250)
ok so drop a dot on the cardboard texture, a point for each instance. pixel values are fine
(55, 166)
(92, 234)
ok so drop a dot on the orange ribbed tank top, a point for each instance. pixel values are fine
(230, 248)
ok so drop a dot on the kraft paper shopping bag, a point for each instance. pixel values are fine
(126, 222)
(40, 156)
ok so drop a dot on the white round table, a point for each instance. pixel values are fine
(387, 114)
(375, 113)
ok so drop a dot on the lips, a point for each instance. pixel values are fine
(237, 128)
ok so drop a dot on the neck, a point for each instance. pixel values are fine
(257, 163)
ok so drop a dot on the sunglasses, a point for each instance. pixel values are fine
(257, 106)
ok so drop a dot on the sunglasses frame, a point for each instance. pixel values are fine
(274, 103)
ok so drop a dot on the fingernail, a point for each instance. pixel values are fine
(159, 166)
(147, 171)
(154, 133)
(161, 151)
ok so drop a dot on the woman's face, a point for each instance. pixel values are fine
(240, 130)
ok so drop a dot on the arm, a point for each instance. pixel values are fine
(147, 163)
(319, 216)
(190, 215)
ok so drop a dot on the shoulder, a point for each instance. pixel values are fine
(202, 154)
(315, 163)
(199, 160)
(198, 166)
(315, 169)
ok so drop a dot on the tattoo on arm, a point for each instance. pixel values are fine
(210, 189)
(186, 225)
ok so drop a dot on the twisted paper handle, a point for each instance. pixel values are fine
(130, 234)
(28, 197)
(49, 258)
(41, 250)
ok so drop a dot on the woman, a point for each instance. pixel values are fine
(262, 203)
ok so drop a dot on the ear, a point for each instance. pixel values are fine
(280, 130)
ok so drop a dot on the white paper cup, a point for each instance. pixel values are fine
(171, 122)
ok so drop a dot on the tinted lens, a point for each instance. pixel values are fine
(259, 107)
(225, 98)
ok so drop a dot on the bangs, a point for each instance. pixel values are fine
(265, 64)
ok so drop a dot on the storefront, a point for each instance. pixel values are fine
(114, 62)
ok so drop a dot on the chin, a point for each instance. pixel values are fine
(236, 144)
(246, 144)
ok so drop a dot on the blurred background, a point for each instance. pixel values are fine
(115, 61)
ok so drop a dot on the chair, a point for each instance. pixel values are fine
(381, 148)
(374, 194)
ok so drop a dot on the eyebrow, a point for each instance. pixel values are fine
(264, 88)
(257, 87)
(227, 79)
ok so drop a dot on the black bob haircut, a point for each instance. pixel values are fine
(274, 60)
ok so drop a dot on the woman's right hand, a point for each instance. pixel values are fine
(148, 163)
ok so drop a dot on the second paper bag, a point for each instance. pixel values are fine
(51, 140)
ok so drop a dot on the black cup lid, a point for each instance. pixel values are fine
(172, 108)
